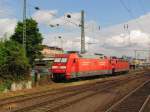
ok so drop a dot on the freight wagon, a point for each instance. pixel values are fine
(69, 66)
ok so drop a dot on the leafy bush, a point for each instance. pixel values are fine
(5, 85)
(14, 64)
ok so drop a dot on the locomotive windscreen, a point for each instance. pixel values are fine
(62, 60)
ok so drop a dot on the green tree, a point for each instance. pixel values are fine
(14, 64)
(33, 39)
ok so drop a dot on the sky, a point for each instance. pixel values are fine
(110, 15)
(104, 12)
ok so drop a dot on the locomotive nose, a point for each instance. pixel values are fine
(59, 68)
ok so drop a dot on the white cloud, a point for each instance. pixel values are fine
(70, 41)
(50, 17)
(7, 10)
(113, 40)
(4, 12)
(91, 27)
(44, 16)
(7, 26)
(136, 38)
(7, 22)
(116, 39)
(140, 38)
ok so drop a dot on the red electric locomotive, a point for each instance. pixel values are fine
(119, 65)
(72, 65)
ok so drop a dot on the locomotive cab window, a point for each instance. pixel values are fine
(64, 60)
(57, 60)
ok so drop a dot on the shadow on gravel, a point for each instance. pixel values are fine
(89, 78)
(147, 73)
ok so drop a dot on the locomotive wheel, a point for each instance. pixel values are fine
(58, 77)
(113, 71)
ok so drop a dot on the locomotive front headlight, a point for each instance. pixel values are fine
(62, 67)
(54, 67)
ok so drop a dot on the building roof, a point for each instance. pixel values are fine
(53, 47)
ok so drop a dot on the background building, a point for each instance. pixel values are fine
(50, 51)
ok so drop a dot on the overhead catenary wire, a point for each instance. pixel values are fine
(142, 8)
(7, 10)
(131, 14)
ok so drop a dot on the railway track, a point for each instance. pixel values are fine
(134, 101)
(65, 101)
(75, 97)
(22, 98)
(146, 106)
(52, 100)
(41, 94)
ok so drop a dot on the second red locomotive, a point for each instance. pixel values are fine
(72, 65)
